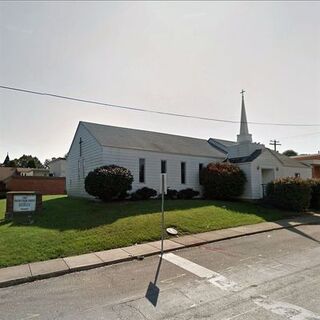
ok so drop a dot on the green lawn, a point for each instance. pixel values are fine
(69, 226)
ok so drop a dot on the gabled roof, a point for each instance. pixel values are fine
(307, 157)
(249, 158)
(6, 172)
(118, 137)
(221, 144)
(286, 161)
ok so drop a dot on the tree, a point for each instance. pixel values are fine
(290, 153)
(47, 161)
(28, 161)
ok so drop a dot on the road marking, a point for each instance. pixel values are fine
(287, 310)
(173, 278)
(214, 278)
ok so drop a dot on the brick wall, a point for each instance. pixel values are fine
(316, 172)
(44, 185)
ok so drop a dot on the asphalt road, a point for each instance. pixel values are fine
(273, 275)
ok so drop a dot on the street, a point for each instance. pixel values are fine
(271, 275)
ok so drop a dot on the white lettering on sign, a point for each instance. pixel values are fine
(24, 203)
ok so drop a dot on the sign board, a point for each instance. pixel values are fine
(24, 203)
(163, 183)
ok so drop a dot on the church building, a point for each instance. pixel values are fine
(147, 154)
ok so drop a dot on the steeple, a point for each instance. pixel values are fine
(6, 160)
(244, 135)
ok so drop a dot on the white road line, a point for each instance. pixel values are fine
(213, 277)
(287, 310)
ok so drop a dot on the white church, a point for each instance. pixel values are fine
(147, 154)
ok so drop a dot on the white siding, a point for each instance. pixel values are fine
(91, 158)
(267, 161)
(58, 168)
(129, 159)
(246, 168)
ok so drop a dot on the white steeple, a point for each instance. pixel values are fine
(244, 135)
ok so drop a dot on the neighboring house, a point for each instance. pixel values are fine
(313, 160)
(57, 167)
(30, 179)
(33, 172)
(147, 154)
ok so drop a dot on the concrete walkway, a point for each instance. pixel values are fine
(51, 268)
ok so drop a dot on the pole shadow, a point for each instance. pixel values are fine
(153, 290)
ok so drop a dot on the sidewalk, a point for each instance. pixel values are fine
(52, 268)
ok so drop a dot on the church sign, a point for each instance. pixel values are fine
(23, 202)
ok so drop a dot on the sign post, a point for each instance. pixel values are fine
(163, 183)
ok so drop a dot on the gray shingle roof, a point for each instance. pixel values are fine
(119, 137)
(221, 144)
(249, 158)
(287, 161)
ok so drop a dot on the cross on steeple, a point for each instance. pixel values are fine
(242, 92)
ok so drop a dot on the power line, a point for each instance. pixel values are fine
(301, 135)
(152, 111)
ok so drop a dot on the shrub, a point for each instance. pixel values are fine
(315, 193)
(289, 193)
(172, 194)
(187, 193)
(143, 194)
(222, 181)
(109, 182)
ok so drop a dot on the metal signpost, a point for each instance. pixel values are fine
(163, 184)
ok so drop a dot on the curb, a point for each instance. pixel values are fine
(68, 270)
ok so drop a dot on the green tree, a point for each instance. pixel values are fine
(290, 153)
(28, 161)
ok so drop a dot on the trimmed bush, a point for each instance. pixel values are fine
(143, 194)
(289, 193)
(315, 193)
(109, 182)
(187, 194)
(223, 181)
(172, 194)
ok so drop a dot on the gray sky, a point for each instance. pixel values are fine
(184, 57)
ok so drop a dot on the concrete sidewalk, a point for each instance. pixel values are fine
(51, 268)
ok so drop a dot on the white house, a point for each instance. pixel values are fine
(147, 154)
(57, 167)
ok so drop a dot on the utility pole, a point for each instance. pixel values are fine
(274, 143)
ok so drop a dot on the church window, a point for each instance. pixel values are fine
(183, 172)
(200, 169)
(163, 166)
(142, 163)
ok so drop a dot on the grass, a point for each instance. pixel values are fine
(69, 226)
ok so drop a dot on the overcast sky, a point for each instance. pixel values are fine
(183, 57)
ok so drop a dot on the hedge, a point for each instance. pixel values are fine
(109, 182)
(315, 193)
(289, 193)
(144, 193)
(187, 194)
(222, 181)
